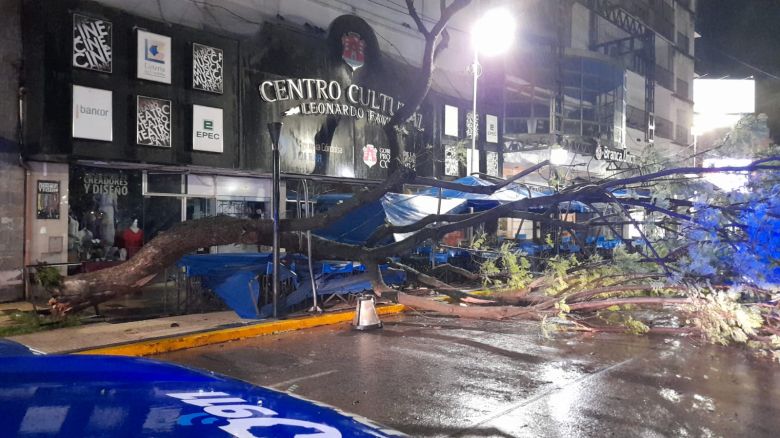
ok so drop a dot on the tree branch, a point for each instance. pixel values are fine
(417, 20)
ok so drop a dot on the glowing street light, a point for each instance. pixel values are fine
(727, 181)
(558, 155)
(491, 35)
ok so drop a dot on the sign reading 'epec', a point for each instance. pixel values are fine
(207, 131)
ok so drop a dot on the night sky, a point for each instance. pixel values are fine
(747, 31)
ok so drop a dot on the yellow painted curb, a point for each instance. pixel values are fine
(164, 345)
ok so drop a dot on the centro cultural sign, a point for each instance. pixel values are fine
(330, 98)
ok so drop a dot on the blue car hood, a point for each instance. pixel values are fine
(120, 396)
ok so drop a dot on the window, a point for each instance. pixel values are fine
(103, 205)
(172, 183)
(664, 77)
(663, 128)
(635, 118)
(683, 43)
(682, 89)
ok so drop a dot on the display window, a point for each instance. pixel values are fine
(105, 214)
(113, 212)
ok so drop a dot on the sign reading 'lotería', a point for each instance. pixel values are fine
(154, 57)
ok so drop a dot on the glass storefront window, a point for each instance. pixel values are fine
(112, 215)
(201, 185)
(104, 203)
(160, 214)
(198, 208)
(241, 208)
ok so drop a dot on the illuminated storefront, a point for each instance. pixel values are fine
(133, 125)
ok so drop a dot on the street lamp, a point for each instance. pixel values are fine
(275, 131)
(492, 35)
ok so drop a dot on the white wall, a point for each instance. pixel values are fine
(664, 103)
(635, 93)
(580, 27)
(42, 234)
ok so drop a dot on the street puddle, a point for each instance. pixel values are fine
(702, 402)
(670, 394)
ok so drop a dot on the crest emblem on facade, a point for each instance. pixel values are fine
(353, 50)
(369, 155)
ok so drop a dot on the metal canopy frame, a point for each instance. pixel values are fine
(640, 42)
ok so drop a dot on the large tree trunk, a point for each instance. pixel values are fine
(168, 247)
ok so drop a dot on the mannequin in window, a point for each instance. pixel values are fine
(133, 239)
(107, 204)
(73, 230)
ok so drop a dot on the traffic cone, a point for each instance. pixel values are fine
(366, 317)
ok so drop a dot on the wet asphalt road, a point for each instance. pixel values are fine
(437, 376)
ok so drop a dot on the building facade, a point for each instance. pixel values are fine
(133, 120)
(605, 79)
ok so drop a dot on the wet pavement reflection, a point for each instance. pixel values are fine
(439, 376)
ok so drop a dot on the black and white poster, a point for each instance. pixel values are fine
(92, 41)
(207, 68)
(48, 202)
(451, 160)
(491, 163)
(472, 125)
(153, 122)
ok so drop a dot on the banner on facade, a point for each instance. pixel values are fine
(92, 44)
(623, 156)
(451, 120)
(472, 125)
(491, 163)
(48, 202)
(491, 129)
(207, 133)
(154, 57)
(451, 160)
(92, 113)
(207, 68)
(153, 121)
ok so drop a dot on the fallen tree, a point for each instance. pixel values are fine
(700, 251)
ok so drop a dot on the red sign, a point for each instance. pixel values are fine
(353, 50)
(369, 155)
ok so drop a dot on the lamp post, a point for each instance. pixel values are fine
(492, 34)
(275, 130)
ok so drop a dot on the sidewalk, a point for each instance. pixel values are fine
(153, 336)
